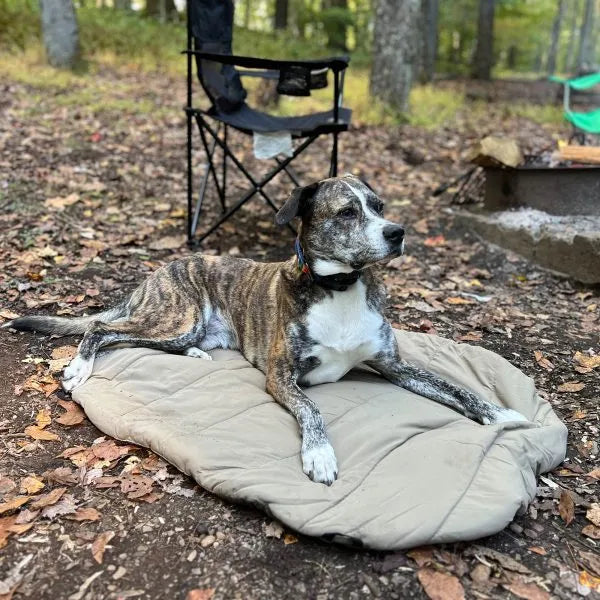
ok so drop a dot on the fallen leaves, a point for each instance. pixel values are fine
(593, 514)
(13, 504)
(73, 415)
(571, 386)
(31, 485)
(60, 203)
(48, 499)
(440, 586)
(586, 362)
(38, 432)
(9, 526)
(528, 591)
(99, 545)
(543, 361)
(200, 594)
(566, 507)
(85, 514)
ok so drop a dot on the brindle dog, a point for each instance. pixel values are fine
(305, 321)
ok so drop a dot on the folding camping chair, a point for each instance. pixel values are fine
(588, 122)
(209, 39)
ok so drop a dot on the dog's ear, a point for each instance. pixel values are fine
(363, 180)
(296, 204)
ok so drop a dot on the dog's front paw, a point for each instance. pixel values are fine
(504, 415)
(320, 464)
(76, 373)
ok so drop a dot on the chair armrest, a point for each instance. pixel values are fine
(337, 63)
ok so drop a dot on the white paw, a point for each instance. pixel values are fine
(319, 464)
(77, 373)
(505, 415)
(197, 353)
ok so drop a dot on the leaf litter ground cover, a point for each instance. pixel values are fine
(92, 201)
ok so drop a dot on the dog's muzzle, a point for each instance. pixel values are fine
(394, 235)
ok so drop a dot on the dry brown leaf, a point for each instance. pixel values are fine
(13, 503)
(60, 203)
(48, 499)
(471, 336)
(566, 507)
(9, 526)
(273, 530)
(61, 475)
(421, 556)
(571, 386)
(31, 485)
(593, 514)
(543, 361)
(586, 361)
(538, 550)
(502, 559)
(73, 416)
(65, 506)
(7, 485)
(591, 531)
(36, 433)
(99, 545)
(435, 241)
(43, 418)
(108, 450)
(136, 486)
(594, 474)
(170, 242)
(288, 539)
(200, 594)
(440, 586)
(589, 580)
(529, 591)
(85, 514)
(459, 300)
(8, 314)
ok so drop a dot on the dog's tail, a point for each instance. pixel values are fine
(62, 325)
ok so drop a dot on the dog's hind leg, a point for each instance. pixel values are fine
(132, 333)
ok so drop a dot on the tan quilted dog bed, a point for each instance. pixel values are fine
(411, 471)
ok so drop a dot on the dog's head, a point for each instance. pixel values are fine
(343, 228)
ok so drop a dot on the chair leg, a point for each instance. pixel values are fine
(224, 173)
(290, 173)
(202, 191)
(334, 157)
(257, 186)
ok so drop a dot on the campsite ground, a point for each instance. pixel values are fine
(92, 199)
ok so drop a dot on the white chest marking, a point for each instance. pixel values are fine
(345, 331)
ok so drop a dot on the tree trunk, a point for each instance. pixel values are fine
(395, 50)
(568, 66)
(122, 4)
(60, 31)
(161, 9)
(335, 28)
(556, 27)
(281, 14)
(587, 43)
(247, 14)
(484, 51)
(430, 10)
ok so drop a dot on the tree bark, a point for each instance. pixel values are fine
(161, 9)
(587, 43)
(281, 14)
(556, 27)
(568, 66)
(483, 59)
(430, 10)
(336, 30)
(60, 32)
(395, 50)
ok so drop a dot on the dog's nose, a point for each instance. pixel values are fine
(393, 233)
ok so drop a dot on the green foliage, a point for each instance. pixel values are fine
(19, 24)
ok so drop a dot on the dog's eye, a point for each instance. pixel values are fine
(347, 213)
(377, 206)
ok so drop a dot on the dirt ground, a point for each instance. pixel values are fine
(92, 200)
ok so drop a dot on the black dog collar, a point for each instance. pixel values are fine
(338, 282)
